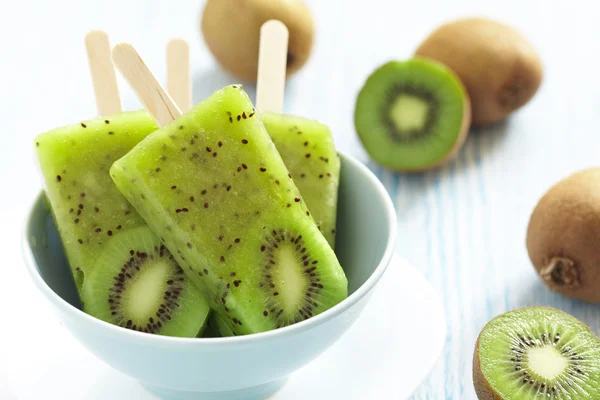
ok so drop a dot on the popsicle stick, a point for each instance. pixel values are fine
(272, 63)
(179, 81)
(102, 70)
(152, 95)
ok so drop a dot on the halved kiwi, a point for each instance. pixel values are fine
(412, 115)
(136, 284)
(536, 353)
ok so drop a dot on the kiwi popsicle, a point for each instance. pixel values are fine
(87, 207)
(213, 186)
(307, 148)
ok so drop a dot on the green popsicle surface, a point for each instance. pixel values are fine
(88, 208)
(307, 148)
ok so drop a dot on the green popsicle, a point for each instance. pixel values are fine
(213, 186)
(74, 161)
(307, 148)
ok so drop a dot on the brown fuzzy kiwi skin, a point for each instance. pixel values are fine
(231, 30)
(501, 70)
(563, 236)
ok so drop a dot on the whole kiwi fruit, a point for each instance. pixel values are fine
(499, 68)
(231, 30)
(563, 236)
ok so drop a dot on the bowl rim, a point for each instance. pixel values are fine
(295, 328)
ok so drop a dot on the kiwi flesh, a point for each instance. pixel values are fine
(536, 353)
(412, 115)
(136, 284)
(231, 30)
(499, 68)
(563, 236)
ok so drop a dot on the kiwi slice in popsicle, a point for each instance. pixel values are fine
(137, 284)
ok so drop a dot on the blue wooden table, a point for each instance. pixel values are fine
(463, 225)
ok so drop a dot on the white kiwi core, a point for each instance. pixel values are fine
(409, 112)
(290, 280)
(144, 296)
(547, 362)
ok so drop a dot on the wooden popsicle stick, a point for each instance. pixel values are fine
(152, 95)
(272, 63)
(102, 70)
(179, 81)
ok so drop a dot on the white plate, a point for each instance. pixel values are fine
(385, 355)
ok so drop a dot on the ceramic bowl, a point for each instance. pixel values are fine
(244, 367)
